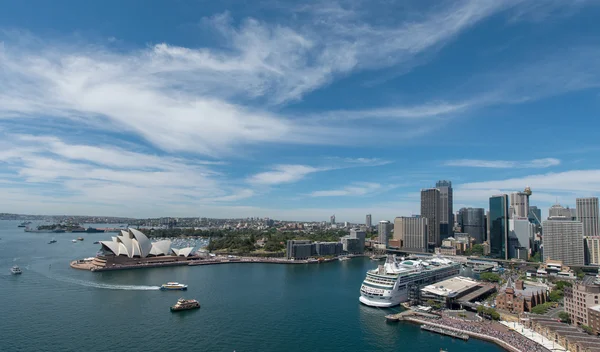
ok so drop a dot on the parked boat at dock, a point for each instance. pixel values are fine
(185, 304)
(173, 286)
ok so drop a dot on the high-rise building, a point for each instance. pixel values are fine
(520, 237)
(430, 209)
(592, 250)
(498, 223)
(383, 231)
(587, 213)
(535, 215)
(332, 219)
(446, 211)
(472, 221)
(519, 202)
(368, 221)
(412, 233)
(563, 240)
(558, 212)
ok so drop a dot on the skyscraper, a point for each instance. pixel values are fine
(535, 215)
(384, 231)
(520, 237)
(430, 209)
(412, 232)
(446, 211)
(519, 202)
(498, 223)
(558, 212)
(587, 213)
(472, 221)
(563, 240)
(332, 219)
(368, 221)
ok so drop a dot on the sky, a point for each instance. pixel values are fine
(295, 110)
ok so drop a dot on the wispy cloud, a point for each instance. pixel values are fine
(356, 189)
(505, 164)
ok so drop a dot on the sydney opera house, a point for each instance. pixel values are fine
(134, 244)
(131, 249)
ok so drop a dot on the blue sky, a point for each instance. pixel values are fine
(294, 110)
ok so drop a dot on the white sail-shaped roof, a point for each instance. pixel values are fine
(184, 252)
(144, 243)
(133, 243)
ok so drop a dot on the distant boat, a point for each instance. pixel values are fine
(79, 238)
(15, 270)
(173, 286)
(185, 304)
(52, 241)
(74, 241)
(342, 259)
(96, 242)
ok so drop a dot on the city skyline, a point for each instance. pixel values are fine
(295, 111)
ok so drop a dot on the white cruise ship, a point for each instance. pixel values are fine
(389, 284)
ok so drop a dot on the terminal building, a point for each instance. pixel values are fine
(447, 293)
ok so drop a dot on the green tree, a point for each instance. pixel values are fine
(490, 277)
(555, 295)
(587, 329)
(536, 258)
(564, 317)
(541, 308)
(560, 285)
(477, 249)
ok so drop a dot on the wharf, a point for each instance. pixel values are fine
(258, 260)
(407, 314)
(446, 332)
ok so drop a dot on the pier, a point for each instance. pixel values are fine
(446, 332)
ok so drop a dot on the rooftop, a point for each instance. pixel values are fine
(451, 287)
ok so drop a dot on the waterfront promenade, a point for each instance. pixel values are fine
(485, 330)
(534, 336)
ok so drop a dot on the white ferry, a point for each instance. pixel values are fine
(389, 284)
(173, 286)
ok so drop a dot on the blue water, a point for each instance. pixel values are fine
(245, 307)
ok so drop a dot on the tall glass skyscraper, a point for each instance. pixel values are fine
(499, 226)
(430, 209)
(472, 221)
(446, 211)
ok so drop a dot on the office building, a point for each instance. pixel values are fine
(558, 212)
(300, 249)
(383, 231)
(578, 299)
(519, 202)
(520, 237)
(411, 232)
(354, 242)
(430, 209)
(498, 224)
(368, 221)
(446, 211)
(535, 215)
(563, 240)
(592, 250)
(587, 213)
(328, 248)
(332, 219)
(472, 221)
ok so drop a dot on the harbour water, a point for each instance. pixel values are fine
(245, 307)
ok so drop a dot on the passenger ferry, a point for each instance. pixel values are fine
(173, 286)
(185, 304)
(15, 270)
(389, 284)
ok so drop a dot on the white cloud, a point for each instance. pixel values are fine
(356, 189)
(283, 174)
(504, 164)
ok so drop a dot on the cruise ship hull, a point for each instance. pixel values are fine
(379, 303)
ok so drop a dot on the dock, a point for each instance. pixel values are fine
(407, 314)
(446, 332)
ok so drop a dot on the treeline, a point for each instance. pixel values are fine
(275, 241)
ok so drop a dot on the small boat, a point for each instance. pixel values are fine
(443, 350)
(74, 241)
(185, 304)
(52, 241)
(342, 259)
(79, 238)
(15, 270)
(96, 242)
(173, 286)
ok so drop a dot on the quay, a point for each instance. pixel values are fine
(112, 263)
(446, 332)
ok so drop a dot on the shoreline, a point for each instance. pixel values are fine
(476, 335)
(90, 266)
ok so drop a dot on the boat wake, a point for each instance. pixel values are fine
(102, 285)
